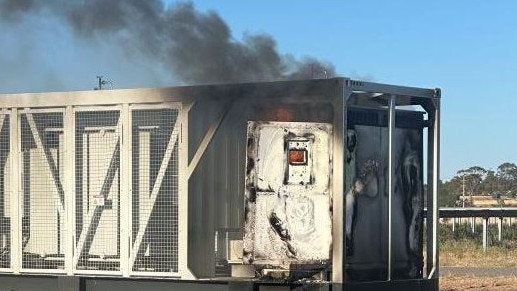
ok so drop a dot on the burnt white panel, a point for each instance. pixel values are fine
(305, 220)
(288, 198)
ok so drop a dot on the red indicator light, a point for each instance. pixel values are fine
(298, 157)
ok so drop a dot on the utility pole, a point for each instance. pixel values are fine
(472, 219)
(463, 200)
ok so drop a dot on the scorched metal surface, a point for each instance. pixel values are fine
(287, 202)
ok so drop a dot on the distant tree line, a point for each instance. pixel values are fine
(479, 181)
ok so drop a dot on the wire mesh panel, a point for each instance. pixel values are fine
(155, 191)
(5, 192)
(42, 153)
(97, 205)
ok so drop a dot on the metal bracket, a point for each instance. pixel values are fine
(207, 139)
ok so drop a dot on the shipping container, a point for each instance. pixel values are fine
(320, 183)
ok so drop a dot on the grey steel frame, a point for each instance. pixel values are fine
(338, 92)
(460, 212)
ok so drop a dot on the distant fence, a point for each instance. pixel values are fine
(477, 212)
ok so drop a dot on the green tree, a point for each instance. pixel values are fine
(507, 176)
(473, 178)
(449, 194)
(490, 184)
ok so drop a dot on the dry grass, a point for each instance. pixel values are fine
(477, 283)
(467, 253)
(489, 201)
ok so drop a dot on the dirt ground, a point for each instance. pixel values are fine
(478, 283)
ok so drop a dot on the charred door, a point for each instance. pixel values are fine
(366, 200)
(288, 199)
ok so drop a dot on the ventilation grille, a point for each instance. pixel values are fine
(97, 150)
(43, 207)
(5, 192)
(155, 191)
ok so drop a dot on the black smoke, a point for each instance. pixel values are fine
(197, 47)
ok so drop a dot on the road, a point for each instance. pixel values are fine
(478, 271)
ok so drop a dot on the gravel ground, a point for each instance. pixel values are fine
(478, 283)
(478, 271)
(478, 278)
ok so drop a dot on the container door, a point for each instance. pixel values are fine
(366, 196)
(288, 198)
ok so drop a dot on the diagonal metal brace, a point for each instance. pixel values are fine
(94, 215)
(207, 139)
(146, 212)
(2, 120)
(50, 163)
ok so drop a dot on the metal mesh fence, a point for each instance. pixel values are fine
(97, 154)
(42, 152)
(155, 191)
(5, 192)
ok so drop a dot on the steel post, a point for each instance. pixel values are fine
(485, 233)
(391, 177)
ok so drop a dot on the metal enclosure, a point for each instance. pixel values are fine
(150, 183)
